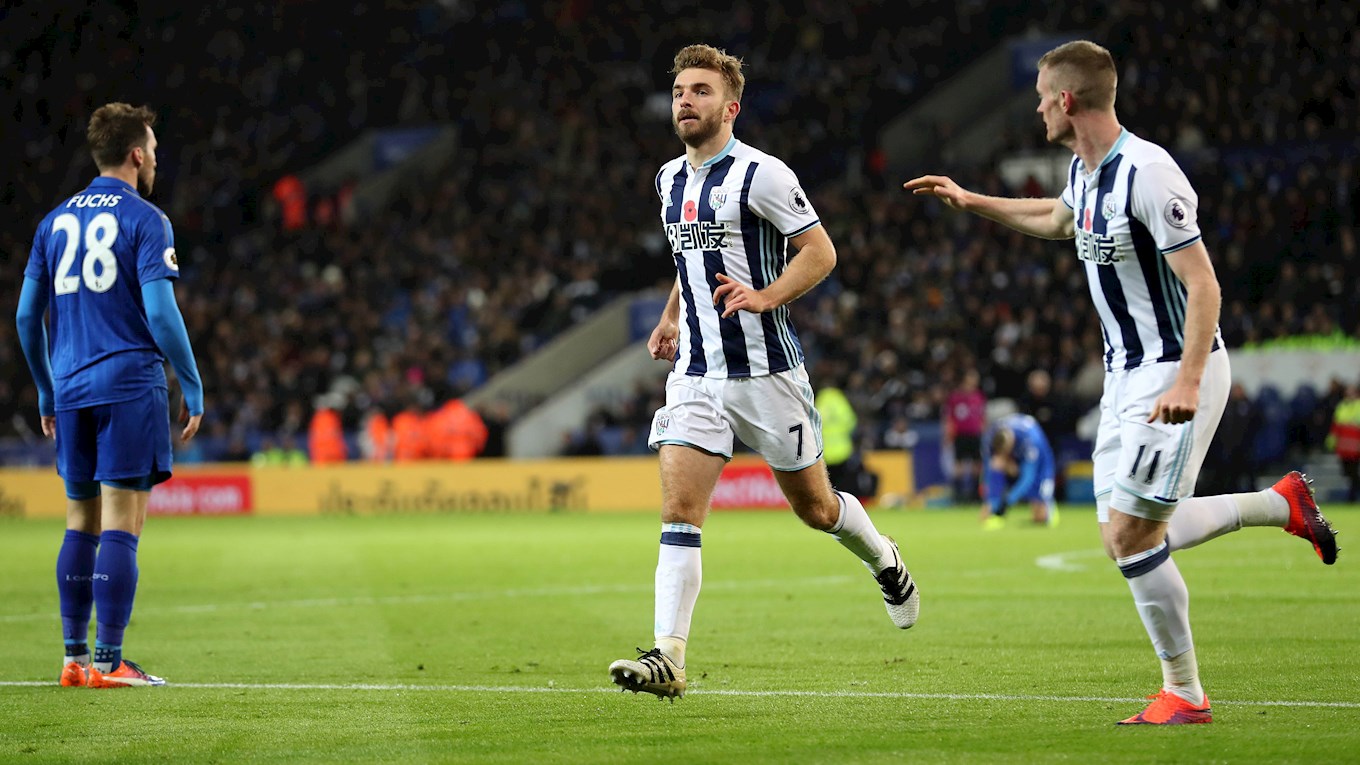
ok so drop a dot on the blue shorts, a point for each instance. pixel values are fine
(117, 443)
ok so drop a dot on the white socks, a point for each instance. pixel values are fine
(1180, 675)
(857, 534)
(1163, 604)
(679, 572)
(1200, 519)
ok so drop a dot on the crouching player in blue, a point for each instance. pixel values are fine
(1019, 468)
(101, 267)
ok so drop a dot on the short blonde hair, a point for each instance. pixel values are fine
(713, 59)
(1085, 69)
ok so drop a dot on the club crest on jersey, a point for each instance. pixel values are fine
(1107, 209)
(717, 198)
(663, 422)
(1178, 213)
(798, 202)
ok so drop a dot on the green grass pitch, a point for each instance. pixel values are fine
(485, 638)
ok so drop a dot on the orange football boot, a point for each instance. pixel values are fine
(1169, 709)
(75, 675)
(127, 675)
(1305, 520)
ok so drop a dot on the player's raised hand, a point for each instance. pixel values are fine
(192, 421)
(940, 186)
(665, 341)
(734, 296)
(1177, 405)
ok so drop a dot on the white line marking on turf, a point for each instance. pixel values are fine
(1063, 561)
(397, 600)
(510, 689)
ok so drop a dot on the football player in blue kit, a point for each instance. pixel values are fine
(1018, 467)
(102, 268)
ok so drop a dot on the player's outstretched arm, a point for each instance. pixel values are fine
(171, 336)
(1044, 218)
(33, 340)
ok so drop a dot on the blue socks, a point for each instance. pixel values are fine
(75, 566)
(115, 586)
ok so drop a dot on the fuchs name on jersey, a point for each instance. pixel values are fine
(94, 200)
(697, 235)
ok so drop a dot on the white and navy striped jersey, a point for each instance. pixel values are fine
(733, 215)
(1131, 211)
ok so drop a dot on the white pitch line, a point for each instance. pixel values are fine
(1063, 561)
(510, 689)
(449, 597)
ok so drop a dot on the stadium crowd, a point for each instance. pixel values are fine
(547, 210)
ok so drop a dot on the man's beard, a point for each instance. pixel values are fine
(700, 134)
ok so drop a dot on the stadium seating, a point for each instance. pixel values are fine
(429, 297)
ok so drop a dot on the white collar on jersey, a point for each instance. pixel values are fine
(720, 156)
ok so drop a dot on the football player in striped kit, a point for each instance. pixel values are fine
(1132, 213)
(731, 212)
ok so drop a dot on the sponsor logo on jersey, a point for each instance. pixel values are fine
(702, 235)
(1178, 213)
(1097, 248)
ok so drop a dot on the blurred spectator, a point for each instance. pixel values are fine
(588, 442)
(1055, 412)
(291, 197)
(408, 434)
(965, 417)
(899, 435)
(844, 462)
(375, 445)
(326, 436)
(1229, 464)
(283, 453)
(235, 451)
(454, 431)
(1344, 439)
(496, 416)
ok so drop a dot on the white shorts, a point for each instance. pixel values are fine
(1156, 463)
(772, 414)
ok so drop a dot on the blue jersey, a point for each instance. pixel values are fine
(1033, 456)
(92, 254)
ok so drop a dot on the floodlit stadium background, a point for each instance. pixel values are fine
(420, 202)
